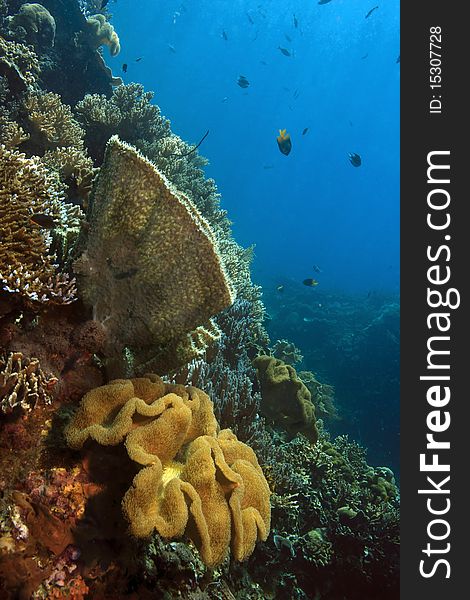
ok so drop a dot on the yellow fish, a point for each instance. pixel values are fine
(284, 142)
(310, 282)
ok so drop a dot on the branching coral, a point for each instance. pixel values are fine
(26, 266)
(23, 383)
(285, 399)
(151, 269)
(19, 64)
(101, 33)
(322, 395)
(209, 486)
(287, 352)
(52, 122)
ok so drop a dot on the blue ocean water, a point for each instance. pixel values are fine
(312, 207)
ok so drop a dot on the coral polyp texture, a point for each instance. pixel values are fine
(286, 401)
(194, 481)
(151, 269)
(27, 268)
(23, 383)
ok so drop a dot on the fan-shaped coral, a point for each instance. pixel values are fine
(209, 487)
(151, 269)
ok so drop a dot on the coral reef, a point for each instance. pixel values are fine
(19, 64)
(287, 352)
(151, 269)
(26, 267)
(101, 33)
(23, 383)
(35, 22)
(188, 470)
(322, 395)
(52, 122)
(285, 399)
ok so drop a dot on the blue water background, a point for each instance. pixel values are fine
(313, 206)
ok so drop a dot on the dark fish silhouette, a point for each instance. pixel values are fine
(250, 18)
(371, 11)
(296, 22)
(43, 220)
(398, 59)
(355, 159)
(124, 68)
(365, 56)
(224, 35)
(243, 81)
(324, 1)
(284, 142)
(289, 39)
(139, 59)
(310, 282)
(305, 131)
(285, 51)
(296, 94)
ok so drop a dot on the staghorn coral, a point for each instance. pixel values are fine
(75, 170)
(11, 134)
(23, 383)
(209, 486)
(52, 122)
(36, 22)
(287, 352)
(26, 266)
(101, 33)
(151, 269)
(285, 399)
(19, 64)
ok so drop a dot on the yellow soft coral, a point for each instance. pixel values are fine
(194, 481)
(101, 33)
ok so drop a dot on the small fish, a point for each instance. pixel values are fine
(324, 1)
(268, 166)
(310, 282)
(280, 288)
(365, 56)
(126, 274)
(398, 59)
(124, 68)
(224, 99)
(224, 35)
(308, 320)
(285, 88)
(285, 51)
(250, 18)
(305, 131)
(371, 11)
(317, 269)
(44, 221)
(263, 62)
(355, 159)
(171, 48)
(139, 59)
(243, 81)
(284, 142)
(296, 22)
(175, 16)
(296, 94)
(288, 38)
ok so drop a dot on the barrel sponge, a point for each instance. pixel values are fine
(285, 399)
(151, 269)
(219, 501)
(194, 481)
(101, 33)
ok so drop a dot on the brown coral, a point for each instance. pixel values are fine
(285, 399)
(19, 64)
(23, 383)
(26, 267)
(151, 269)
(52, 121)
(209, 487)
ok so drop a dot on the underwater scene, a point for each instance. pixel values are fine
(199, 299)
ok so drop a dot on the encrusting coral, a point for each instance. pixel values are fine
(37, 23)
(101, 33)
(194, 481)
(23, 383)
(285, 399)
(151, 269)
(26, 266)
